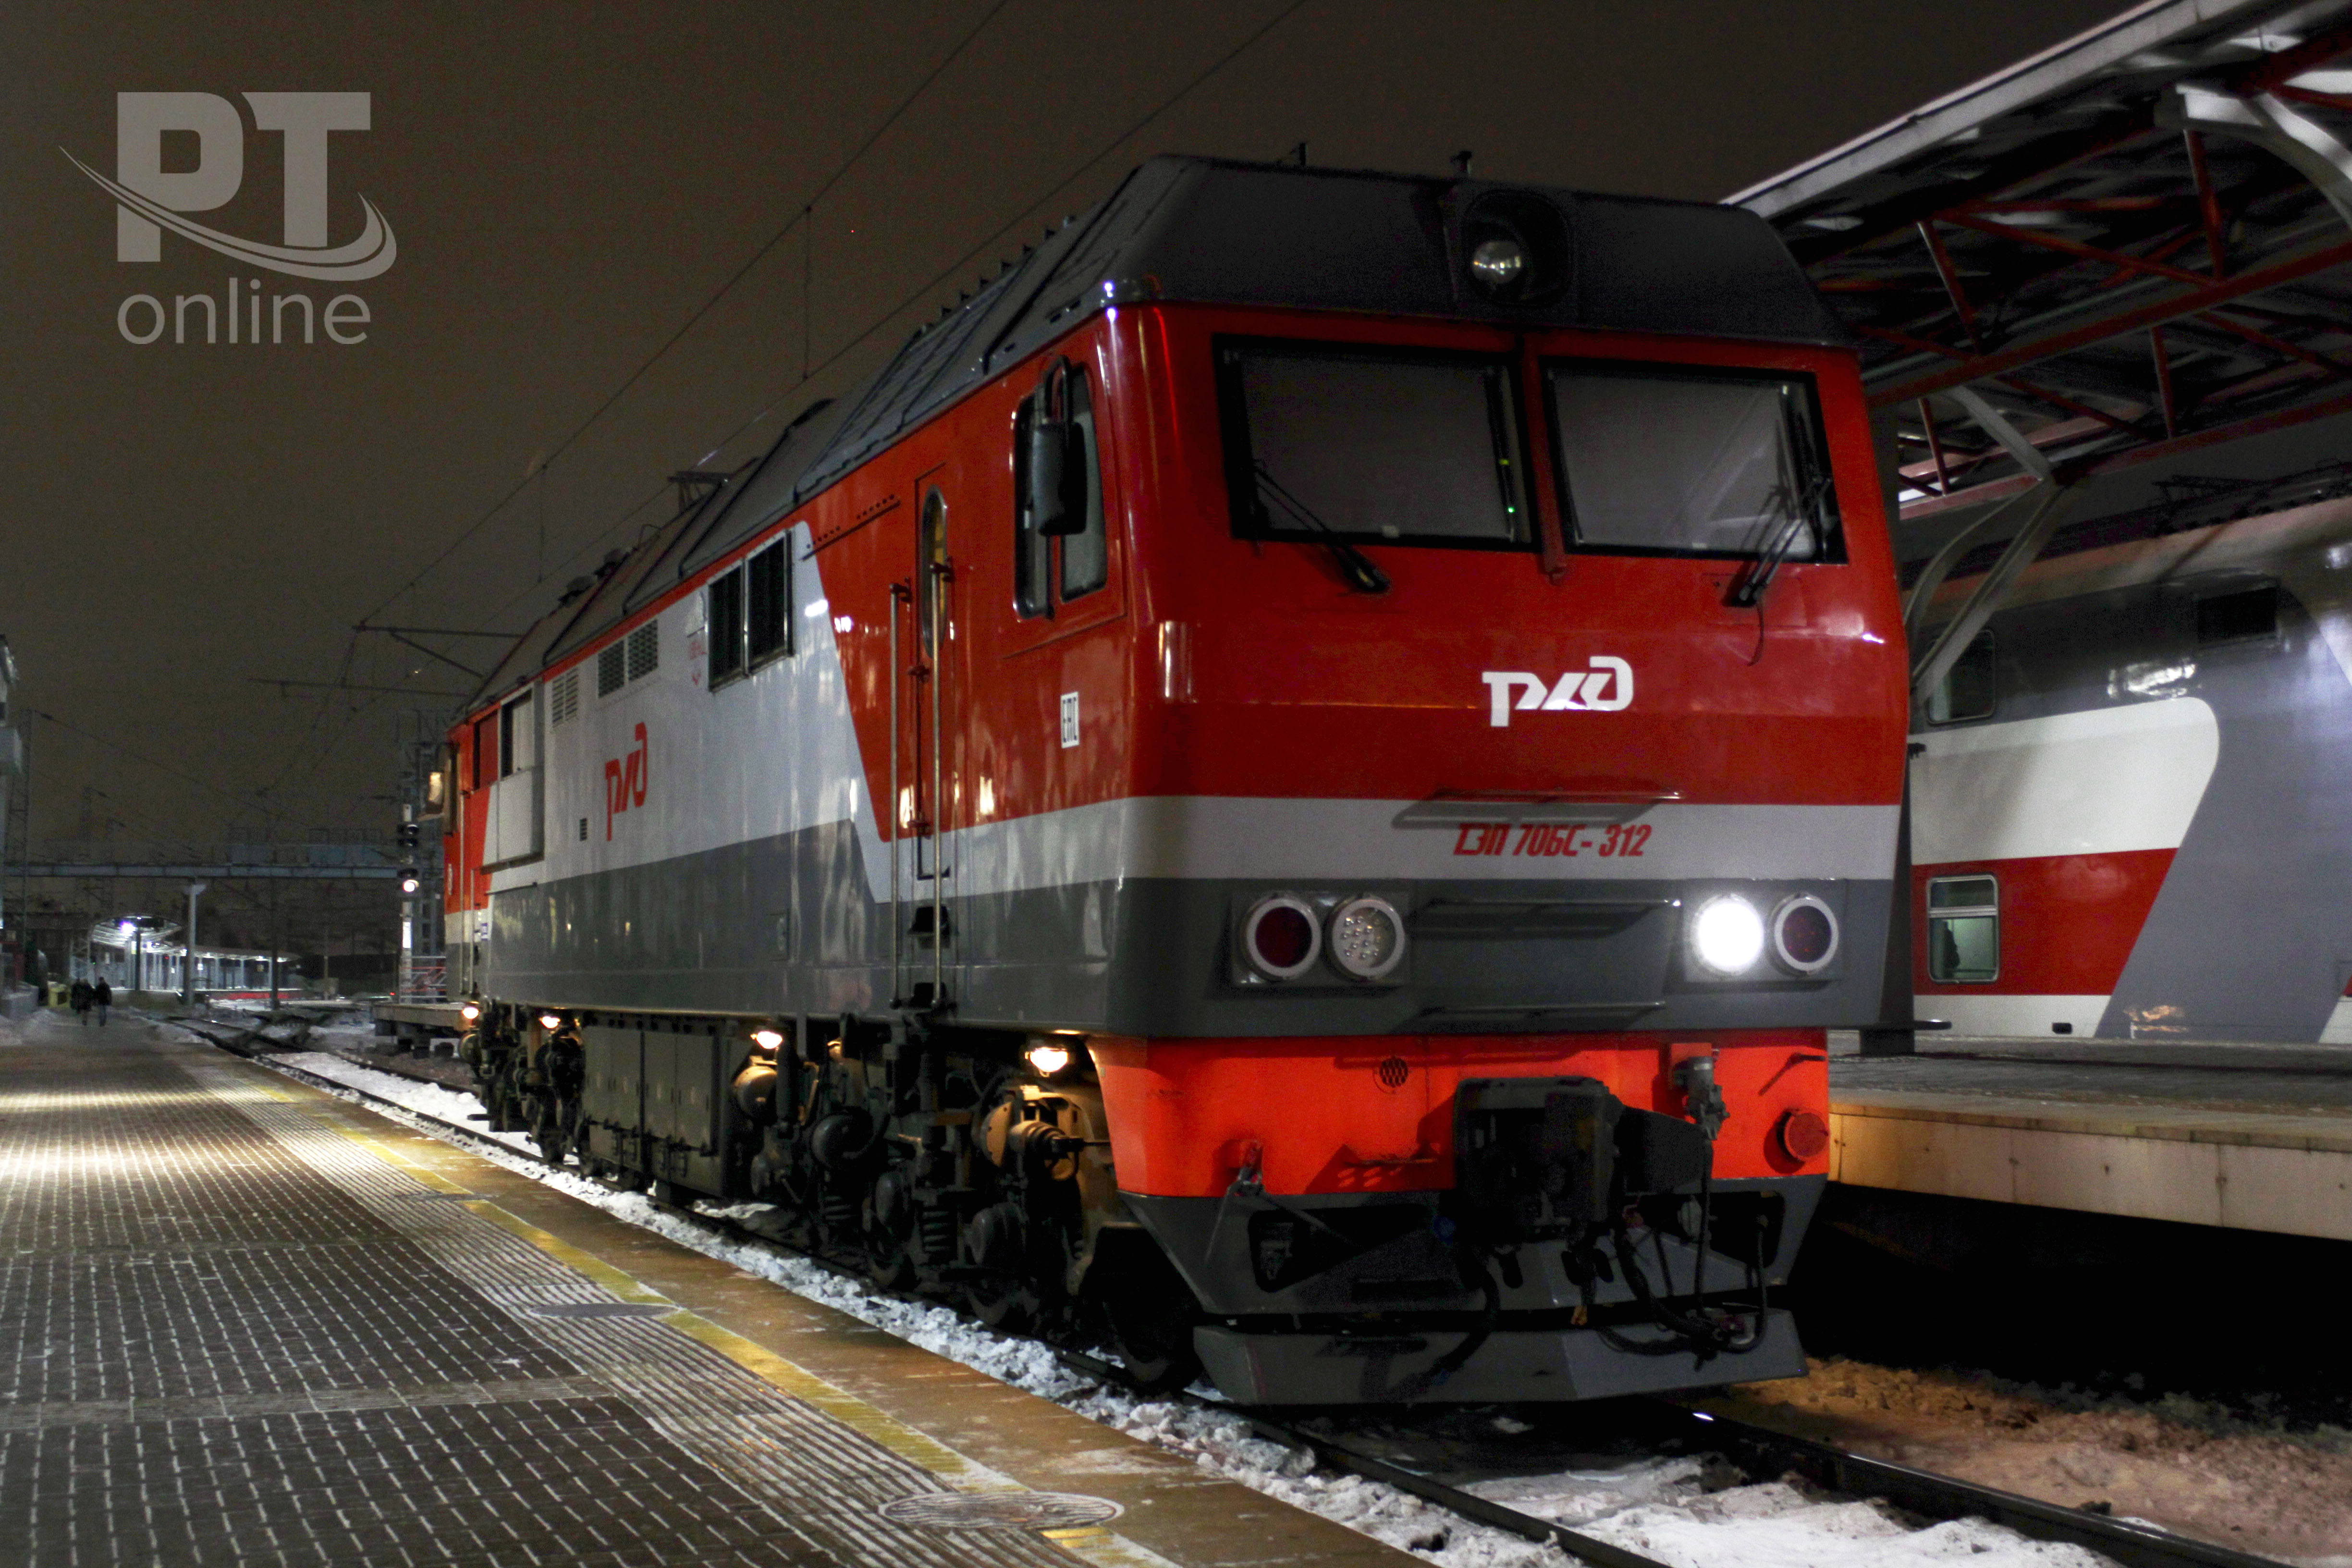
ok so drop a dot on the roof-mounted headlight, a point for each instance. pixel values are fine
(1498, 264)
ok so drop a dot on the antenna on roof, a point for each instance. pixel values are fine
(1462, 164)
(1297, 155)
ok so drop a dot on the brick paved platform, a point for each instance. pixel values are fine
(243, 1322)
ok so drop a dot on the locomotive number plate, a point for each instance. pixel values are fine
(1624, 840)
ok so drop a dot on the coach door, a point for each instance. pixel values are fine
(929, 740)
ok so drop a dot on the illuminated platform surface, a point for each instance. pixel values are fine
(244, 1322)
(2253, 1137)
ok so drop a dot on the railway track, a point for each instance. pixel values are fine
(1757, 1451)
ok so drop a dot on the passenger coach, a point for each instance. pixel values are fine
(1293, 785)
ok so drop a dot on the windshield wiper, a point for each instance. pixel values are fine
(1804, 514)
(1803, 520)
(1354, 565)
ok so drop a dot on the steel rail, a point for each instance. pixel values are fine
(1757, 1451)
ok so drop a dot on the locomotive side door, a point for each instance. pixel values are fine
(931, 791)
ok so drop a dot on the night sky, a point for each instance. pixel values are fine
(569, 186)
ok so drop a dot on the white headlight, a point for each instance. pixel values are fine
(1726, 936)
(1049, 1059)
(1367, 938)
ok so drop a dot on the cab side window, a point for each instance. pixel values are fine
(1060, 551)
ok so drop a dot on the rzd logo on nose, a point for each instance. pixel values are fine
(1604, 688)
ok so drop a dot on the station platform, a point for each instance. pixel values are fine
(2250, 1137)
(244, 1321)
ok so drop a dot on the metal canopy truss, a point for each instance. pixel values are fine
(2134, 245)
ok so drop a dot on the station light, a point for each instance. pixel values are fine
(1048, 1059)
(1726, 936)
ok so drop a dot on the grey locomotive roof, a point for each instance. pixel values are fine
(1208, 231)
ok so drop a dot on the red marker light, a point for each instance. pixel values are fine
(1281, 938)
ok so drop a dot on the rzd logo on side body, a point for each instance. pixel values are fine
(625, 786)
(1605, 687)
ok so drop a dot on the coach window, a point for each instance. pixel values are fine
(1969, 689)
(726, 620)
(1078, 563)
(767, 592)
(1963, 930)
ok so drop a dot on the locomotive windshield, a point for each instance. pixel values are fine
(1381, 446)
(1666, 460)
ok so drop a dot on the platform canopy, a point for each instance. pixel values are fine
(2133, 246)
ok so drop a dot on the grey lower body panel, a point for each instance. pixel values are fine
(1511, 1365)
(788, 925)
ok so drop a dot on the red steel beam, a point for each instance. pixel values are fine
(2163, 382)
(1951, 277)
(2275, 71)
(2076, 248)
(2208, 205)
(2196, 440)
(2051, 344)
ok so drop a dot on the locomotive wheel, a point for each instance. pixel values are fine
(888, 1263)
(1150, 1314)
(1003, 1303)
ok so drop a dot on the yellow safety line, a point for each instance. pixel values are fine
(1091, 1544)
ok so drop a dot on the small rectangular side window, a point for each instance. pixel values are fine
(768, 613)
(1970, 688)
(1086, 555)
(485, 749)
(726, 626)
(1963, 930)
(518, 743)
(1032, 553)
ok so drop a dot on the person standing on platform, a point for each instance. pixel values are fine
(79, 997)
(102, 999)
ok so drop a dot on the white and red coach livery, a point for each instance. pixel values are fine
(1296, 781)
(2129, 803)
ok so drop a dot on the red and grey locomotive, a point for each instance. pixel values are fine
(1294, 784)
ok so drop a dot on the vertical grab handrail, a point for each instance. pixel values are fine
(898, 593)
(939, 577)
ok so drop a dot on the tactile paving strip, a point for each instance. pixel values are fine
(827, 1481)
